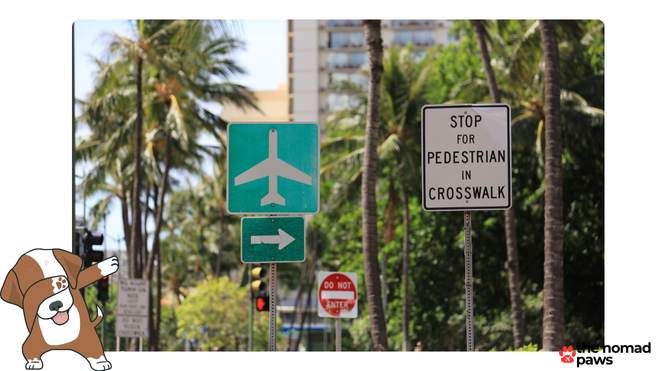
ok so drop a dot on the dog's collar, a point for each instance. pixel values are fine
(39, 291)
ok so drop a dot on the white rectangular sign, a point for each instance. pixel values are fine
(132, 327)
(466, 157)
(132, 308)
(133, 297)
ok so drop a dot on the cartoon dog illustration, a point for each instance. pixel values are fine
(46, 285)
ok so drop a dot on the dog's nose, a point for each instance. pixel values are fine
(55, 306)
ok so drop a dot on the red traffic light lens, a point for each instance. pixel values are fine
(260, 303)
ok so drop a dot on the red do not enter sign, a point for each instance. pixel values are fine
(337, 294)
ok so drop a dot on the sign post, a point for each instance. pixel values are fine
(337, 297)
(466, 156)
(273, 168)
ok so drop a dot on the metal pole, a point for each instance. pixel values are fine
(273, 307)
(118, 342)
(469, 286)
(338, 334)
(384, 284)
(140, 342)
(105, 256)
(325, 334)
(251, 310)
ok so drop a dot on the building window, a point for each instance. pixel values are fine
(358, 60)
(338, 102)
(417, 38)
(346, 40)
(338, 60)
(401, 38)
(360, 80)
(338, 40)
(342, 80)
(453, 38)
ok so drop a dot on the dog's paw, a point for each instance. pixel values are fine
(109, 266)
(34, 364)
(99, 364)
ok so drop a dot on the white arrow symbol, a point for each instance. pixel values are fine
(283, 239)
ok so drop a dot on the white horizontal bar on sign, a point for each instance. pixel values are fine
(350, 295)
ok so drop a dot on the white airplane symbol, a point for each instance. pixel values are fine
(272, 167)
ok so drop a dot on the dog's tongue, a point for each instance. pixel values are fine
(61, 317)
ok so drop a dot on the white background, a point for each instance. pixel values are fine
(37, 171)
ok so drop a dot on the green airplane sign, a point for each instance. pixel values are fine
(273, 168)
(275, 239)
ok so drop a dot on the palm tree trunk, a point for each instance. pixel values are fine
(159, 207)
(136, 235)
(145, 235)
(156, 332)
(406, 268)
(553, 322)
(155, 247)
(124, 215)
(511, 234)
(485, 56)
(372, 32)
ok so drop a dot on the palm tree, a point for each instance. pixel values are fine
(511, 233)
(183, 61)
(553, 322)
(373, 36)
(403, 82)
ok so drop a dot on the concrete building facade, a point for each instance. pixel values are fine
(324, 53)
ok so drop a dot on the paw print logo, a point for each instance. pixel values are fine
(567, 355)
(59, 284)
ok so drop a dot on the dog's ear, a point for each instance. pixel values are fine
(71, 264)
(11, 293)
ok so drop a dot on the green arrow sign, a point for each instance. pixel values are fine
(272, 239)
(273, 168)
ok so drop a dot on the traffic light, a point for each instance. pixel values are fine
(89, 239)
(102, 287)
(260, 286)
(263, 303)
(258, 279)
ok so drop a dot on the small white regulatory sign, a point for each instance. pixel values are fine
(466, 157)
(132, 308)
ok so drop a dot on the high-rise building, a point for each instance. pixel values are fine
(324, 53)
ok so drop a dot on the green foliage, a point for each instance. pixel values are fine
(109, 314)
(216, 317)
(436, 239)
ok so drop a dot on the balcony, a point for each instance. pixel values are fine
(417, 44)
(412, 23)
(346, 46)
(337, 66)
(343, 23)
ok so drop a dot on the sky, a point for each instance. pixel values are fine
(263, 57)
